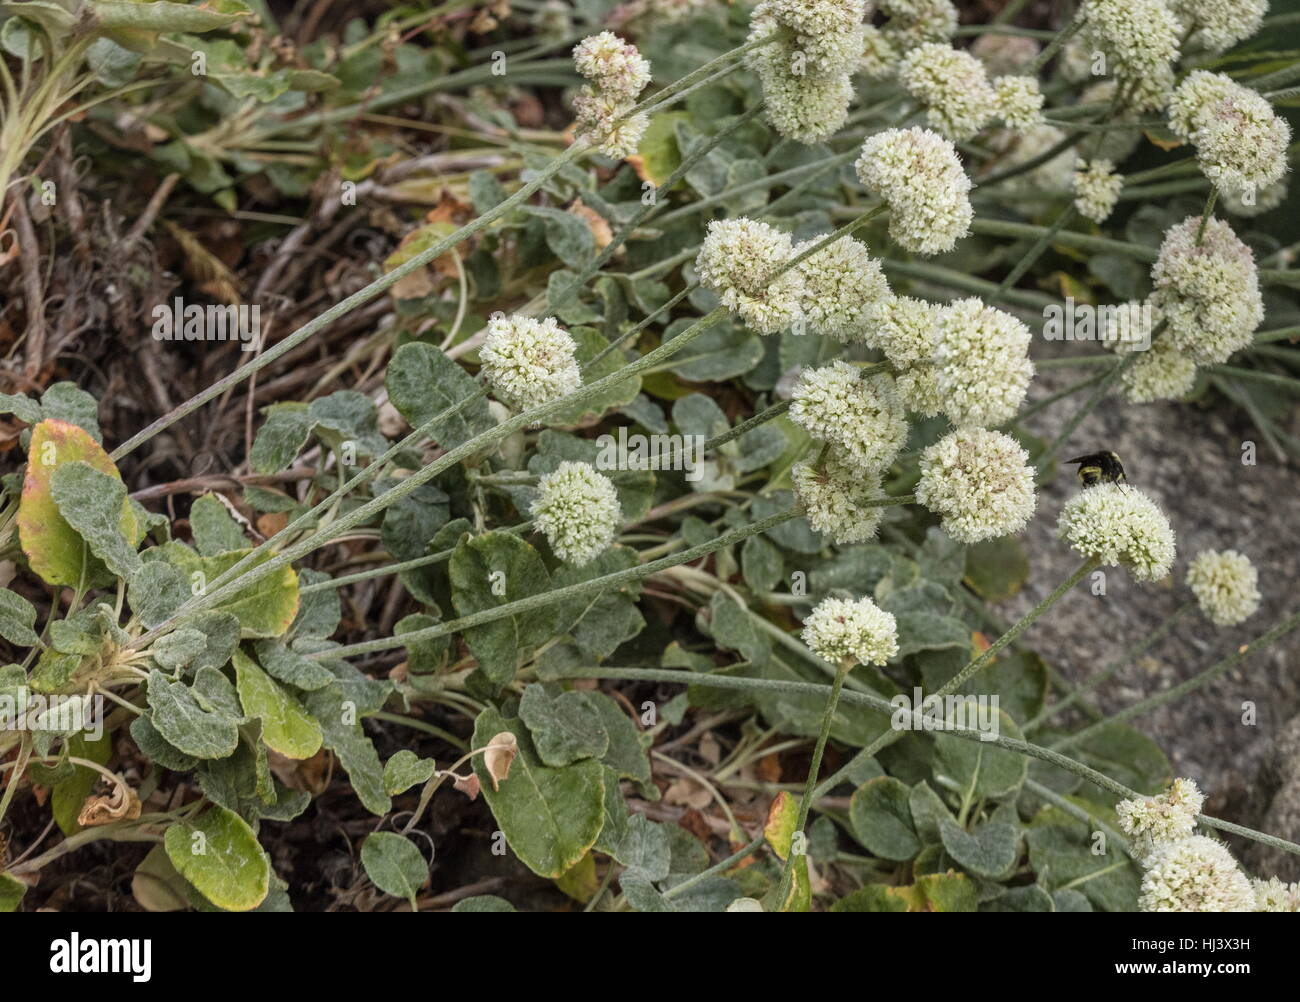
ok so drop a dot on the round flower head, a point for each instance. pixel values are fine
(1251, 201)
(1019, 102)
(1003, 55)
(979, 483)
(1096, 189)
(1156, 821)
(1016, 148)
(837, 500)
(1209, 293)
(953, 86)
(529, 362)
(740, 261)
(841, 282)
(577, 511)
(918, 174)
(1196, 874)
(617, 68)
(1240, 141)
(1220, 24)
(859, 632)
(605, 119)
(1139, 36)
(1226, 585)
(1147, 92)
(914, 22)
(863, 418)
(827, 32)
(1272, 895)
(807, 109)
(983, 366)
(1120, 526)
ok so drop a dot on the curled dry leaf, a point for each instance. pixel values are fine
(500, 753)
(601, 234)
(468, 785)
(121, 804)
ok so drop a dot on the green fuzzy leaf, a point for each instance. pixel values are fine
(286, 727)
(17, 617)
(213, 528)
(394, 864)
(291, 667)
(184, 723)
(491, 570)
(565, 726)
(881, 817)
(339, 718)
(280, 439)
(550, 817)
(996, 569)
(93, 504)
(988, 851)
(422, 383)
(218, 853)
(11, 893)
(982, 767)
(68, 402)
(405, 770)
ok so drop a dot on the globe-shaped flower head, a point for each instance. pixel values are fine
(1156, 821)
(918, 174)
(837, 499)
(953, 86)
(841, 282)
(1226, 586)
(741, 260)
(842, 631)
(1119, 526)
(1208, 291)
(529, 362)
(1195, 874)
(862, 418)
(979, 482)
(577, 509)
(983, 366)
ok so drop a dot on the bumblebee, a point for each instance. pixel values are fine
(1098, 468)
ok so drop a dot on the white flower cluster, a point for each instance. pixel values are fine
(953, 86)
(918, 174)
(1139, 37)
(837, 500)
(1096, 189)
(905, 330)
(577, 510)
(618, 73)
(529, 362)
(1208, 292)
(1018, 101)
(741, 261)
(1186, 872)
(1226, 586)
(857, 632)
(1120, 526)
(1272, 895)
(1219, 24)
(841, 282)
(1003, 55)
(1195, 874)
(1241, 142)
(982, 360)
(861, 419)
(806, 72)
(979, 483)
(1156, 821)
